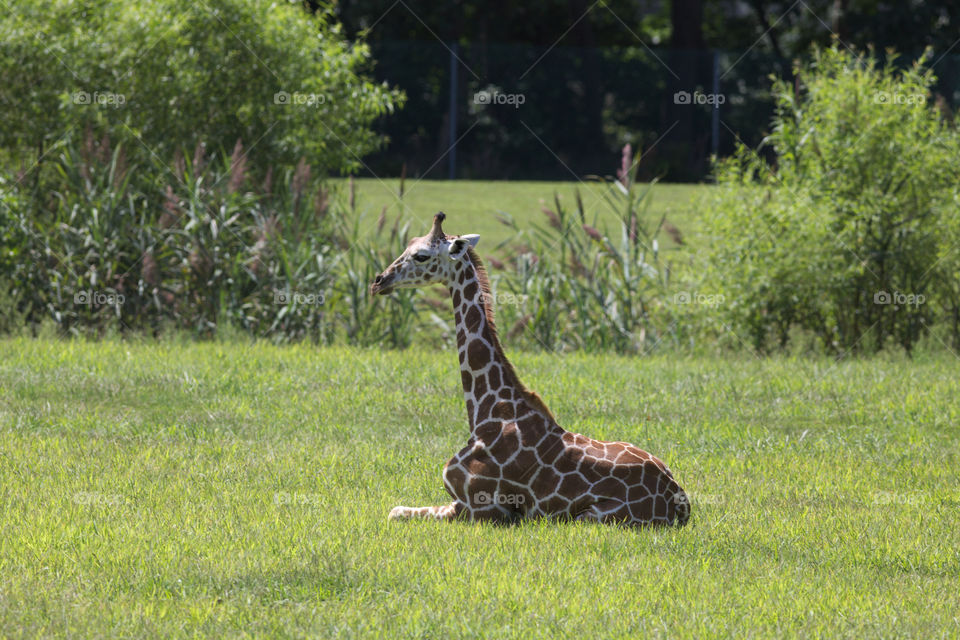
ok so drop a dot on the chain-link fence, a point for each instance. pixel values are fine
(514, 111)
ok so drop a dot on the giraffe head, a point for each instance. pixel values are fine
(432, 258)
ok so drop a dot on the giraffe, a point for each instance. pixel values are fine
(518, 462)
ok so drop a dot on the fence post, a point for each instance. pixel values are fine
(715, 119)
(452, 155)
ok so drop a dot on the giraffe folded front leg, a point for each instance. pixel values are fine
(442, 512)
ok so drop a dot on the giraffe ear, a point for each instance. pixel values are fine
(458, 246)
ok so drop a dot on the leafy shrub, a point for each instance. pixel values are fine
(844, 237)
(161, 75)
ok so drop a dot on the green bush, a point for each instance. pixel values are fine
(107, 225)
(163, 75)
(848, 235)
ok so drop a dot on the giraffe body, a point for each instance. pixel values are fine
(518, 462)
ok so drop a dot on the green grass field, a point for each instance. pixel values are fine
(223, 489)
(473, 205)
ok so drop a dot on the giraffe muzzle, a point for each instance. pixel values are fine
(381, 285)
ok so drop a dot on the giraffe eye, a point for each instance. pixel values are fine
(421, 257)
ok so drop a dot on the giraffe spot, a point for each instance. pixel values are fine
(532, 430)
(665, 484)
(629, 473)
(521, 466)
(481, 467)
(456, 298)
(567, 463)
(631, 455)
(478, 354)
(503, 411)
(480, 386)
(494, 376)
(613, 449)
(637, 492)
(508, 487)
(461, 337)
(488, 431)
(470, 291)
(506, 393)
(595, 451)
(549, 449)
(642, 509)
(660, 507)
(457, 317)
(651, 477)
(556, 505)
(506, 445)
(580, 503)
(473, 319)
(603, 468)
(545, 482)
(592, 468)
(470, 409)
(609, 488)
(462, 277)
(573, 485)
(486, 485)
(455, 480)
(483, 411)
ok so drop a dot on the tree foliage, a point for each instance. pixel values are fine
(167, 74)
(851, 236)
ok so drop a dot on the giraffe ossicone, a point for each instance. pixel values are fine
(518, 461)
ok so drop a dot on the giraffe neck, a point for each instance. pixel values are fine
(487, 375)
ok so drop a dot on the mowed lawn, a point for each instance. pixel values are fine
(228, 489)
(473, 206)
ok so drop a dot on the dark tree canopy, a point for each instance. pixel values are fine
(784, 28)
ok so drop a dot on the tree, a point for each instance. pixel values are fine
(166, 75)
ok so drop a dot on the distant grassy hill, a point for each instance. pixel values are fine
(473, 205)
